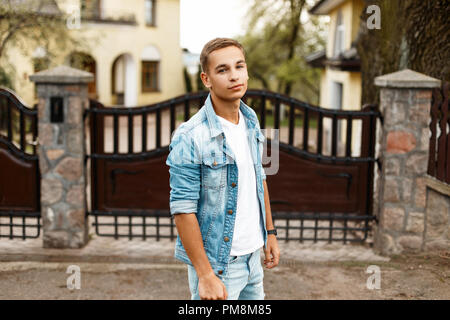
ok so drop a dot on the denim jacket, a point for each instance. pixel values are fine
(204, 178)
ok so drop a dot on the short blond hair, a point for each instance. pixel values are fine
(215, 44)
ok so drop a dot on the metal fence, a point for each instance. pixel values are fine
(129, 216)
(19, 169)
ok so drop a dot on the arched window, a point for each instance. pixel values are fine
(123, 80)
(86, 62)
(150, 60)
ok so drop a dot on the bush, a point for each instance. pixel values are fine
(5, 79)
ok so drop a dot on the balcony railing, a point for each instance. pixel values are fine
(116, 17)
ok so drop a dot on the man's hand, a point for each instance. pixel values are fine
(272, 253)
(210, 287)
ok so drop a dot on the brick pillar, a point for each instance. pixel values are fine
(405, 102)
(63, 95)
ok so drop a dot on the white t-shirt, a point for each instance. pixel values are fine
(247, 236)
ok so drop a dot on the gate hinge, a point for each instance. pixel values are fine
(379, 164)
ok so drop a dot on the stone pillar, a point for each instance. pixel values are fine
(405, 103)
(63, 96)
(437, 222)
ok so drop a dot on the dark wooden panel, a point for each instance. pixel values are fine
(305, 185)
(19, 190)
(133, 185)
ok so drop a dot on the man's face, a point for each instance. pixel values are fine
(227, 75)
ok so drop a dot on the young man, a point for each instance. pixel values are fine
(219, 196)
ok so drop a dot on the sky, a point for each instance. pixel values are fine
(203, 20)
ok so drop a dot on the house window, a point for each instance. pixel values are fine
(90, 9)
(150, 76)
(336, 95)
(150, 12)
(339, 35)
(337, 89)
(86, 62)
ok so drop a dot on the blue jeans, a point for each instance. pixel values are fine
(243, 279)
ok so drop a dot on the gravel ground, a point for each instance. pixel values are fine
(425, 276)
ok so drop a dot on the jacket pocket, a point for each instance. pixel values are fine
(214, 172)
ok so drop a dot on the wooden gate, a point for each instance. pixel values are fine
(129, 177)
(439, 153)
(322, 191)
(19, 169)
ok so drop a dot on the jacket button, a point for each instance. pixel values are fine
(220, 272)
(233, 184)
(226, 239)
(230, 211)
(215, 163)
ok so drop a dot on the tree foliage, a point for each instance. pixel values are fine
(198, 80)
(187, 80)
(32, 23)
(276, 43)
(5, 79)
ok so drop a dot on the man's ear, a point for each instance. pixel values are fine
(205, 80)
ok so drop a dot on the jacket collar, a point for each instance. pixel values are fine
(215, 128)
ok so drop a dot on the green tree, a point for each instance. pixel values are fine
(277, 41)
(5, 79)
(199, 83)
(32, 23)
(187, 80)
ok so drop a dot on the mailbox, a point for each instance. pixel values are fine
(56, 109)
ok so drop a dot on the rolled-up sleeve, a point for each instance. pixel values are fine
(184, 175)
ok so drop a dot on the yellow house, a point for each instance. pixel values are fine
(341, 78)
(132, 47)
(340, 83)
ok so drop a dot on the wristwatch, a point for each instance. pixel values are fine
(273, 231)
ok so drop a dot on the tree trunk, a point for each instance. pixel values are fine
(296, 11)
(413, 34)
